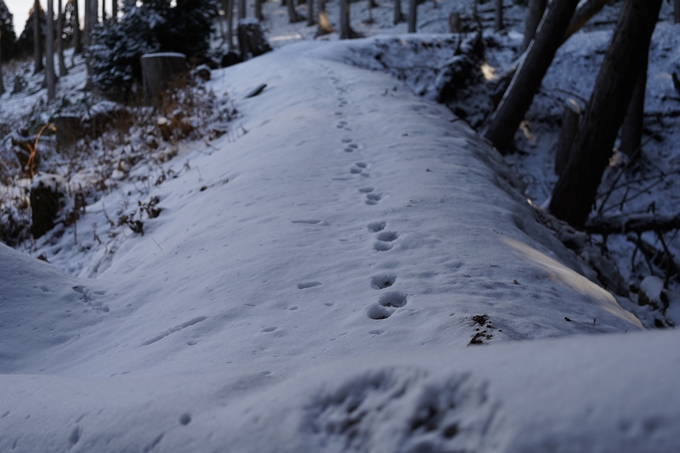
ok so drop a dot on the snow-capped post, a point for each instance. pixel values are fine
(570, 119)
(159, 72)
(251, 39)
(412, 15)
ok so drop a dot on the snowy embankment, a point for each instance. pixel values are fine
(351, 222)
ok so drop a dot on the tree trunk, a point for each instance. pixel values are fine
(527, 79)
(498, 16)
(631, 131)
(293, 15)
(2, 85)
(60, 41)
(575, 191)
(242, 13)
(49, 47)
(311, 20)
(104, 10)
(534, 16)
(37, 39)
(159, 72)
(258, 10)
(583, 15)
(570, 120)
(412, 15)
(345, 29)
(114, 9)
(229, 16)
(398, 15)
(77, 37)
(676, 8)
(251, 40)
(323, 27)
(86, 26)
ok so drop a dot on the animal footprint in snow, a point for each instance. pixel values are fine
(308, 285)
(381, 246)
(375, 227)
(378, 312)
(366, 189)
(351, 148)
(373, 198)
(388, 236)
(341, 124)
(383, 281)
(393, 299)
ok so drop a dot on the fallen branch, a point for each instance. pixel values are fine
(633, 223)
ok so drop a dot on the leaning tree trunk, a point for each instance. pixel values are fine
(575, 191)
(398, 15)
(37, 39)
(161, 71)
(529, 75)
(631, 131)
(412, 15)
(49, 47)
(498, 16)
(583, 15)
(534, 16)
(77, 37)
(60, 42)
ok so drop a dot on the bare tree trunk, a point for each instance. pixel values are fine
(529, 75)
(77, 37)
(570, 120)
(258, 10)
(534, 16)
(94, 10)
(676, 10)
(37, 39)
(2, 85)
(104, 10)
(114, 9)
(293, 15)
(60, 42)
(88, 22)
(49, 47)
(242, 9)
(583, 15)
(498, 17)
(230, 24)
(310, 13)
(575, 191)
(412, 15)
(344, 20)
(631, 131)
(398, 15)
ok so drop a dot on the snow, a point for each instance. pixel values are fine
(321, 279)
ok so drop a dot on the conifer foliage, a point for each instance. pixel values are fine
(150, 26)
(6, 31)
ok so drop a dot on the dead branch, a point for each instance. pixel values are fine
(633, 223)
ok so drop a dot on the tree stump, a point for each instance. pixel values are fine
(251, 39)
(47, 199)
(572, 115)
(161, 71)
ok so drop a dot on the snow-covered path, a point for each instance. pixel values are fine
(352, 219)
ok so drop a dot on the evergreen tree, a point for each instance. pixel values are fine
(7, 31)
(151, 26)
(24, 45)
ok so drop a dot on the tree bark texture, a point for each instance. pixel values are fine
(570, 120)
(159, 72)
(631, 131)
(534, 16)
(242, 9)
(2, 85)
(398, 15)
(412, 15)
(251, 40)
(229, 11)
(103, 10)
(345, 30)
(498, 16)
(527, 79)
(49, 47)
(60, 42)
(37, 39)
(583, 15)
(311, 18)
(575, 191)
(114, 9)
(323, 26)
(77, 37)
(258, 10)
(676, 11)
(293, 15)
(86, 26)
